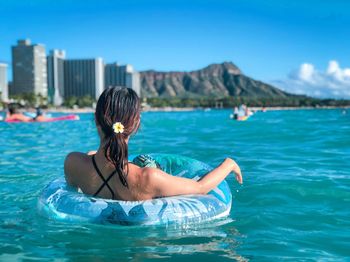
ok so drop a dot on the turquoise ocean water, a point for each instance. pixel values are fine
(294, 204)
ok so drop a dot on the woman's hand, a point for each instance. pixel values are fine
(236, 170)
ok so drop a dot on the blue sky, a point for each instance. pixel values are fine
(269, 40)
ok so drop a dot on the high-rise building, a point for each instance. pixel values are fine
(29, 68)
(3, 82)
(116, 75)
(55, 76)
(83, 77)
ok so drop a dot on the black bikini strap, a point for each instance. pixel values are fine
(105, 181)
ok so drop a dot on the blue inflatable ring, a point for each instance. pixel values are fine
(62, 202)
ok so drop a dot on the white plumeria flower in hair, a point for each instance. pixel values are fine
(118, 127)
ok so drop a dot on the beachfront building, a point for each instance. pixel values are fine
(3, 82)
(29, 68)
(55, 76)
(83, 77)
(116, 75)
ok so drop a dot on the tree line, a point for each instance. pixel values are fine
(33, 100)
(229, 102)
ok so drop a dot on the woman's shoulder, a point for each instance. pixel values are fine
(75, 160)
(150, 176)
(74, 164)
(140, 182)
(77, 156)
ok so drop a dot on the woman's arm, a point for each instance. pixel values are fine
(160, 183)
(23, 118)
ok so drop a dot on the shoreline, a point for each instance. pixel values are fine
(190, 109)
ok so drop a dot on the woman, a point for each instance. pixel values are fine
(13, 115)
(108, 174)
(40, 117)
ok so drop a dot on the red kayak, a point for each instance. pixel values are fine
(51, 119)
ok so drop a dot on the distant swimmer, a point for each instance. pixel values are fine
(40, 117)
(241, 113)
(247, 111)
(235, 113)
(13, 115)
(238, 114)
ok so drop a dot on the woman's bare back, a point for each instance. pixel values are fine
(80, 172)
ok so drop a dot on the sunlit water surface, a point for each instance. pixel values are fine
(294, 205)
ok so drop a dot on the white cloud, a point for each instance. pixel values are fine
(307, 73)
(334, 82)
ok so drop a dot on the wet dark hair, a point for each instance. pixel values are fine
(12, 109)
(38, 112)
(118, 105)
